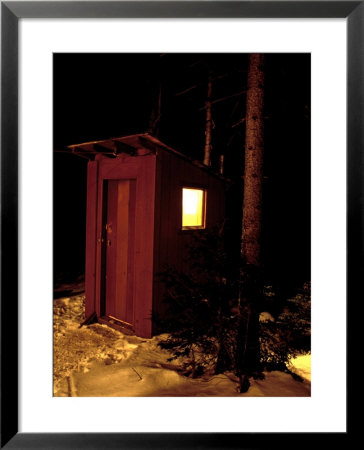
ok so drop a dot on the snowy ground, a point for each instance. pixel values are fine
(98, 361)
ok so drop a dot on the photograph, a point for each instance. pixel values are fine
(182, 224)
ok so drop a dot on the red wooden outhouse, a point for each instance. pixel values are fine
(144, 201)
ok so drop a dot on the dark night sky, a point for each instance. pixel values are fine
(98, 96)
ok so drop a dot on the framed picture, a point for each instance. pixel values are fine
(46, 43)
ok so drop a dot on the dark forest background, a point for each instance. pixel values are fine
(98, 96)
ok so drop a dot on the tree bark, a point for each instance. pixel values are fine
(248, 354)
(253, 176)
(207, 154)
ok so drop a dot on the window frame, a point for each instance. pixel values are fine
(204, 204)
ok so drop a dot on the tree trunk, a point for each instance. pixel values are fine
(253, 176)
(248, 333)
(207, 154)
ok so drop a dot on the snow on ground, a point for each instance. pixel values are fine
(98, 361)
(301, 365)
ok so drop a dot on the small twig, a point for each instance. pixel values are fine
(238, 123)
(137, 374)
(218, 100)
(185, 91)
(220, 77)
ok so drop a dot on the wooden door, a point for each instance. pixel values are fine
(119, 250)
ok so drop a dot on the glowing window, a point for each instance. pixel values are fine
(193, 208)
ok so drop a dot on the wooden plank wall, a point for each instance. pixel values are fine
(91, 214)
(144, 245)
(171, 241)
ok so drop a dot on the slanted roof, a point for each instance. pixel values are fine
(131, 145)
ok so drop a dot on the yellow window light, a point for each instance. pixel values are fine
(193, 210)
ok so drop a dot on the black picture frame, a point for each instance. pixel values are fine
(11, 12)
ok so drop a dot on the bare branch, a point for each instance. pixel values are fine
(222, 99)
(185, 91)
(238, 123)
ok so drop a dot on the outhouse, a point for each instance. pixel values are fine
(144, 202)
